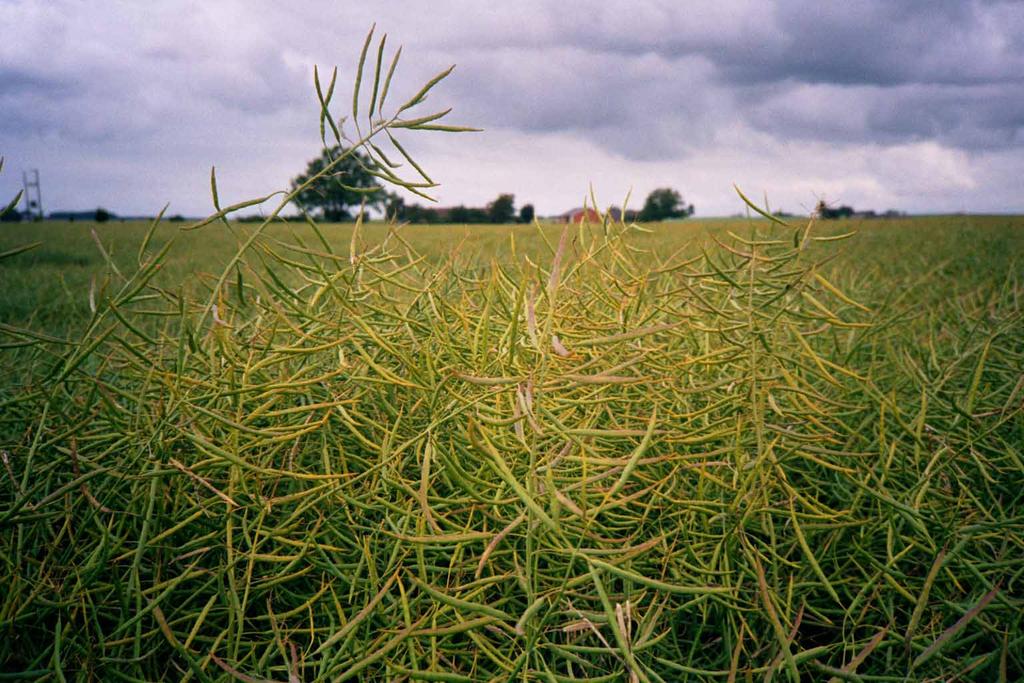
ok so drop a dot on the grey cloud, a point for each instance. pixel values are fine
(879, 72)
(640, 81)
(982, 117)
(887, 43)
(638, 106)
(866, 42)
(16, 81)
(558, 87)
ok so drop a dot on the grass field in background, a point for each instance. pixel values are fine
(48, 287)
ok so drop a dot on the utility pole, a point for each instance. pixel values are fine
(33, 207)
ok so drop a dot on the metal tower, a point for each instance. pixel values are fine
(33, 207)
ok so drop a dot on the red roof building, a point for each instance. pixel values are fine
(581, 215)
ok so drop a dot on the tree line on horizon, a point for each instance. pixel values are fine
(355, 184)
(338, 197)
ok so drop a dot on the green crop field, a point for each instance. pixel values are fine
(49, 286)
(706, 450)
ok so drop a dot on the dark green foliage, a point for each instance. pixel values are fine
(395, 208)
(415, 213)
(664, 204)
(834, 212)
(468, 215)
(502, 209)
(337, 195)
(526, 213)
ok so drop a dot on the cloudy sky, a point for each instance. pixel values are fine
(915, 105)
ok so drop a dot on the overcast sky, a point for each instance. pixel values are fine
(917, 106)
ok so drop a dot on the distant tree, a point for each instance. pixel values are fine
(177, 218)
(395, 209)
(102, 215)
(12, 216)
(502, 209)
(526, 213)
(331, 198)
(423, 214)
(468, 214)
(830, 213)
(665, 203)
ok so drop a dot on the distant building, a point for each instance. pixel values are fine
(580, 215)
